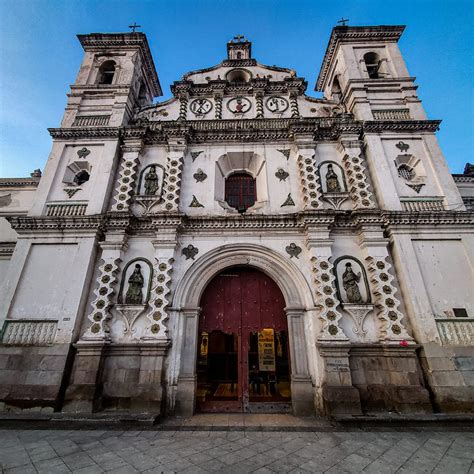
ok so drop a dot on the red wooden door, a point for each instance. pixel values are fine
(236, 305)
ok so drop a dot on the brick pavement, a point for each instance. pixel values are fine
(180, 446)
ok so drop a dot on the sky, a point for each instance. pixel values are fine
(40, 55)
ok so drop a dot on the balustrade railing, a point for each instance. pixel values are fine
(26, 332)
(392, 114)
(456, 332)
(66, 209)
(91, 121)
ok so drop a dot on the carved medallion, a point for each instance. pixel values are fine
(281, 174)
(200, 106)
(190, 252)
(276, 104)
(239, 105)
(293, 250)
(83, 152)
(200, 176)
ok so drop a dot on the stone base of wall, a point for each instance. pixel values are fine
(389, 378)
(31, 377)
(449, 371)
(123, 377)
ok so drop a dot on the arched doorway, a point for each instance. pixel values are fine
(243, 362)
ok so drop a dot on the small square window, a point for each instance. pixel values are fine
(460, 313)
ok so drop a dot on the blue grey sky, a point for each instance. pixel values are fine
(40, 55)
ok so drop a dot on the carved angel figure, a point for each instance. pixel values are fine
(350, 283)
(135, 285)
(151, 181)
(332, 181)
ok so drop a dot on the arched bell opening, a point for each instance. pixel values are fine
(243, 361)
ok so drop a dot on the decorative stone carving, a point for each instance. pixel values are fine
(126, 181)
(386, 303)
(151, 184)
(28, 332)
(218, 102)
(72, 209)
(332, 180)
(295, 113)
(195, 202)
(358, 185)
(100, 314)
(150, 187)
(281, 174)
(327, 299)
(190, 252)
(195, 154)
(183, 105)
(308, 179)
(71, 191)
(403, 147)
(239, 105)
(415, 187)
(358, 313)
(130, 313)
(293, 250)
(288, 201)
(83, 152)
(172, 183)
(200, 107)
(276, 104)
(199, 176)
(286, 153)
(351, 281)
(259, 104)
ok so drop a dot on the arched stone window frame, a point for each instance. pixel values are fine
(364, 275)
(241, 161)
(121, 296)
(99, 62)
(342, 175)
(238, 71)
(140, 183)
(383, 69)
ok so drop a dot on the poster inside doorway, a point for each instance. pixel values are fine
(266, 350)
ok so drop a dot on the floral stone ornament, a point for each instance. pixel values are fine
(293, 250)
(190, 251)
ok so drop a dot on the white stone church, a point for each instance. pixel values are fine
(241, 247)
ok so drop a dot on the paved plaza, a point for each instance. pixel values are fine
(239, 444)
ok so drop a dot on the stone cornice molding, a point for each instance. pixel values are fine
(378, 126)
(353, 34)
(19, 182)
(129, 41)
(458, 178)
(428, 218)
(84, 132)
(7, 249)
(31, 225)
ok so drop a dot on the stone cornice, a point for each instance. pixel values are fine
(100, 41)
(7, 249)
(377, 126)
(27, 225)
(428, 218)
(84, 132)
(19, 182)
(458, 178)
(348, 34)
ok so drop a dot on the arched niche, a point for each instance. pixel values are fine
(238, 75)
(160, 172)
(348, 263)
(241, 161)
(146, 270)
(323, 169)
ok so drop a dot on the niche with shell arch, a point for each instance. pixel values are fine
(323, 169)
(77, 173)
(146, 270)
(347, 284)
(246, 162)
(144, 185)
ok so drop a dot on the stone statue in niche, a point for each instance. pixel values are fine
(332, 181)
(135, 285)
(151, 181)
(350, 282)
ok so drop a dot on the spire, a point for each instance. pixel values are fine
(239, 48)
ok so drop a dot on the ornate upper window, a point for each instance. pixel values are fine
(240, 191)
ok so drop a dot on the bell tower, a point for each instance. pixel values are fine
(116, 76)
(363, 69)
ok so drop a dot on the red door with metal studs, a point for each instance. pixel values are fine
(237, 305)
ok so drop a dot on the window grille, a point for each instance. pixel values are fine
(240, 191)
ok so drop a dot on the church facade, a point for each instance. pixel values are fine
(241, 247)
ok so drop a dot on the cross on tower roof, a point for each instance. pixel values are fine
(134, 26)
(343, 21)
(239, 38)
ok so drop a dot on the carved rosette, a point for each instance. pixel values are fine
(126, 184)
(309, 183)
(172, 183)
(100, 314)
(357, 181)
(158, 303)
(326, 297)
(386, 303)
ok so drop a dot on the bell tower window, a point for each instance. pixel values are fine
(107, 72)
(372, 63)
(240, 191)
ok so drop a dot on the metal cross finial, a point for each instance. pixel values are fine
(239, 38)
(134, 26)
(343, 21)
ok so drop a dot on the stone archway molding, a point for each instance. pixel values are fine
(298, 298)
